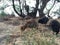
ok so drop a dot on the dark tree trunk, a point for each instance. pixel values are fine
(16, 10)
(35, 9)
(27, 8)
(44, 2)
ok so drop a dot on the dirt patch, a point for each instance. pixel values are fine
(12, 27)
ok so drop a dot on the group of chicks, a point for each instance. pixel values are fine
(54, 24)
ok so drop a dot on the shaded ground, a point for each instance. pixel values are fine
(11, 34)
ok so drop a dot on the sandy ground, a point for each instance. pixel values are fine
(12, 27)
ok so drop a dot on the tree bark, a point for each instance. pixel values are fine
(16, 10)
(44, 2)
